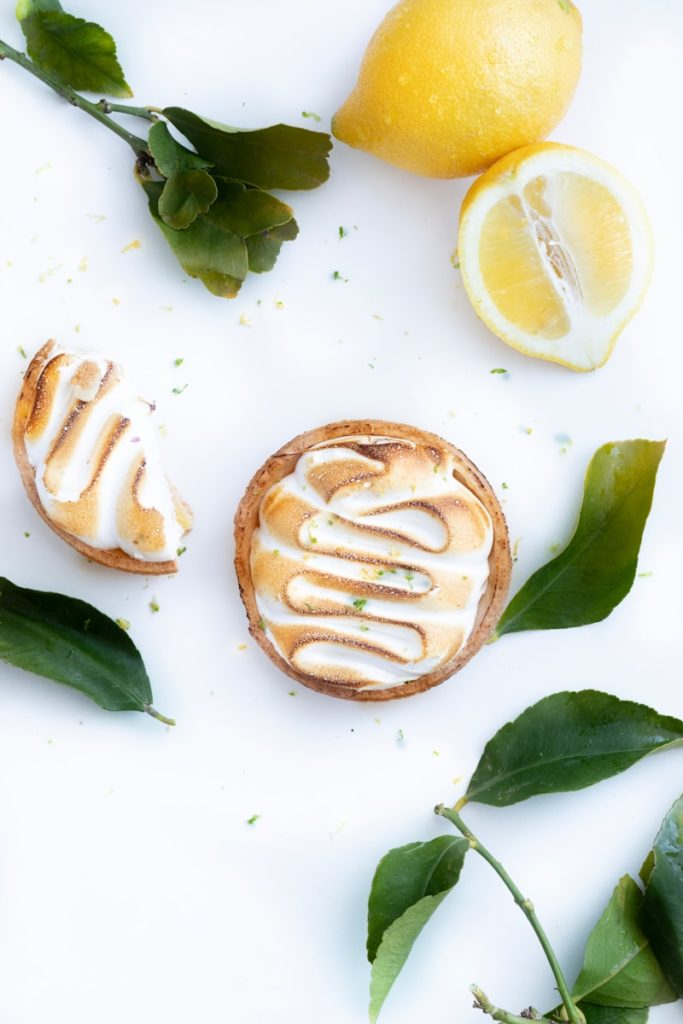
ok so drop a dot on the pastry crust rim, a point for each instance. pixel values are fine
(282, 462)
(113, 558)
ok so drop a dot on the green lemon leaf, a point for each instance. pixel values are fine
(263, 249)
(206, 250)
(169, 156)
(73, 643)
(186, 194)
(409, 884)
(277, 157)
(613, 1014)
(566, 742)
(26, 7)
(78, 53)
(619, 966)
(597, 568)
(663, 901)
(247, 211)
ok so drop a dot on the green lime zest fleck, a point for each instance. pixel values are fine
(499, 369)
(254, 818)
(262, 624)
(360, 603)
(179, 361)
(179, 391)
(311, 115)
(123, 624)
(154, 605)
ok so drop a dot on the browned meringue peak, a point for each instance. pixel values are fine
(97, 467)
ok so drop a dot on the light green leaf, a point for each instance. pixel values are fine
(73, 643)
(186, 194)
(78, 53)
(169, 156)
(409, 884)
(597, 568)
(619, 966)
(663, 902)
(218, 257)
(566, 742)
(277, 157)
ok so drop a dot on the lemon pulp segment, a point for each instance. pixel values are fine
(556, 253)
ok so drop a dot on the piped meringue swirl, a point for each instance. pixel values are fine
(369, 561)
(96, 459)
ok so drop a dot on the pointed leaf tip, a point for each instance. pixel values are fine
(71, 642)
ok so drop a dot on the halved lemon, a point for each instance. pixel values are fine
(556, 253)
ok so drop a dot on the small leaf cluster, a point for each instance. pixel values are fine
(565, 742)
(215, 210)
(212, 203)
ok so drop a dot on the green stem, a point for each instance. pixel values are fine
(482, 1002)
(107, 107)
(138, 145)
(156, 714)
(574, 1015)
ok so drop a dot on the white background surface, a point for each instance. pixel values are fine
(131, 887)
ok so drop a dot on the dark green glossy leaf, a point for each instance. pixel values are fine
(186, 194)
(247, 211)
(217, 256)
(73, 643)
(597, 568)
(613, 1014)
(264, 248)
(663, 902)
(78, 53)
(409, 884)
(619, 967)
(277, 157)
(169, 156)
(565, 742)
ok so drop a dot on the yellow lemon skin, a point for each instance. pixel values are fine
(447, 87)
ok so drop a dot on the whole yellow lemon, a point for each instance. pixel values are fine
(447, 87)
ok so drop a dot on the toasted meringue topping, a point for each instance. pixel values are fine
(97, 465)
(370, 561)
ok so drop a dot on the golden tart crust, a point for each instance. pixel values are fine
(327, 479)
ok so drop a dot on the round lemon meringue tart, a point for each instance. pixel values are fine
(372, 558)
(90, 463)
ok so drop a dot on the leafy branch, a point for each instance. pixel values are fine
(634, 955)
(212, 203)
(574, 1015)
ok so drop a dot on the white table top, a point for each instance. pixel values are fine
(131, 887)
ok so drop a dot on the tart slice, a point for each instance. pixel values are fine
(89, 460)
(372, 558)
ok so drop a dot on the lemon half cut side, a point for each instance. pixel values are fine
(556, 253)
